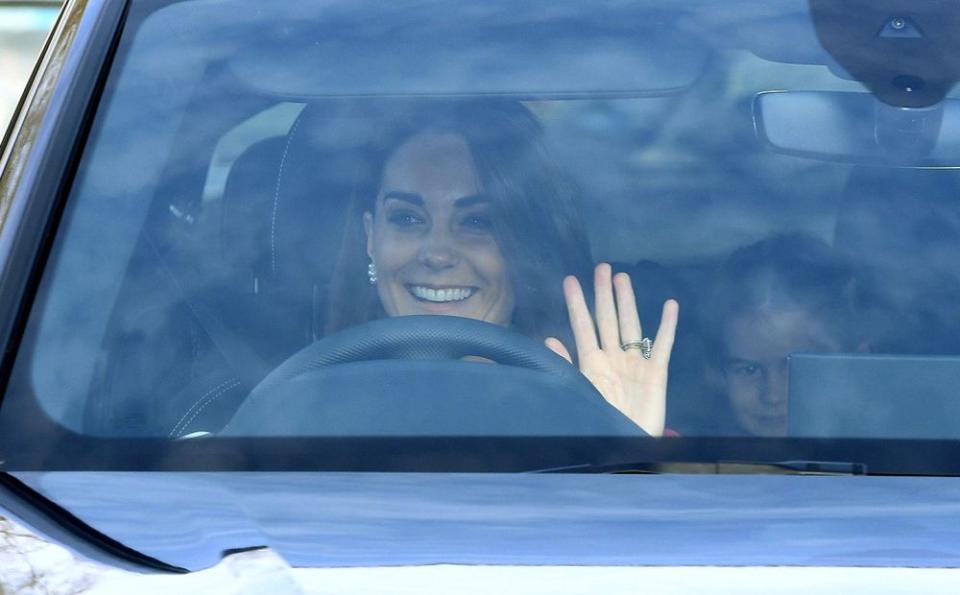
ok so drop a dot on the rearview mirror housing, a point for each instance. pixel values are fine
(858, 128)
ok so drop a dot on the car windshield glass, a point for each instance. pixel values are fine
(465, 220)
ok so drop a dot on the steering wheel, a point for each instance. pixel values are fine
(430, 344)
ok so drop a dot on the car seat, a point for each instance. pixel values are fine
(901, 229)
(198, 325)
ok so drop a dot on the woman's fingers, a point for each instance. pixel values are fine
(555, 345)
(630, 328)
(580, 320)
(663, 345)
(635, 386)
(617, 318)
(607, 325)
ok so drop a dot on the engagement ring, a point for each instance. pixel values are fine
(645, 345)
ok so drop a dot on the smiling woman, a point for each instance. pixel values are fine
(459, 195)
(432, 250)
(462, 212)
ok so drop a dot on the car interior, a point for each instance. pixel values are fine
(704, 135)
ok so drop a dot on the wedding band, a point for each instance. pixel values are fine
(645, 345)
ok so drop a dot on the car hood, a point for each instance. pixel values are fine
(377, 519)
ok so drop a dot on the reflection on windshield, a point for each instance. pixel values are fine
(254, 213)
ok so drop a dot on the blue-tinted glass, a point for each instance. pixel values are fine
(273, 177)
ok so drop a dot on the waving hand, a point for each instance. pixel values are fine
(609, 350)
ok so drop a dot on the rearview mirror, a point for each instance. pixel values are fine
(858, 128)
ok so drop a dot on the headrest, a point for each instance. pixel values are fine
(901, 228)
(247, 203)
(902, 220)
(285, 201)
(313, 185)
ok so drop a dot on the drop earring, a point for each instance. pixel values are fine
(372, 273)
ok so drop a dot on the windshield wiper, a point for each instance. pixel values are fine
(799, 467)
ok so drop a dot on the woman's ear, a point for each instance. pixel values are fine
(368, 228)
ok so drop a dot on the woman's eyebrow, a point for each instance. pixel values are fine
(410, 197)
(469, 201)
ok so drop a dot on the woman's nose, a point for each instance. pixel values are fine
(438, 250)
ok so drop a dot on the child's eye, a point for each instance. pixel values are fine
(746, 369)
(743, 368)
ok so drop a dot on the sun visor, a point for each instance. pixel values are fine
(459, 49)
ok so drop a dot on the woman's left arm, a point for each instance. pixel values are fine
(634, 384)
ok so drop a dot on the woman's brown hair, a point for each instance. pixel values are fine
(537, 222)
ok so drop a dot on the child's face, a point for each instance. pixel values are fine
(756, 347)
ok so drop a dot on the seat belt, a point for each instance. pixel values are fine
(250, 368)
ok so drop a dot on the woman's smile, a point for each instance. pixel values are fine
(431, 235)
(441, 295)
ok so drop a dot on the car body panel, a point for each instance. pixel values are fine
(374, 519)
(562, 580)
(37, 155)
(23, 28)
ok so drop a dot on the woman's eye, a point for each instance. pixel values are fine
(481, 223)
(404, 219)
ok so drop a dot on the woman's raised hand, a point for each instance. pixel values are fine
(634, 384)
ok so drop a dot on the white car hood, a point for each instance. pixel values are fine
(347, 520)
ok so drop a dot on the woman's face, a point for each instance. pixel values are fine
(756, 347)
(431, 235)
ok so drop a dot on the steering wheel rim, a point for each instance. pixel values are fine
(424, 337)
(434, 339)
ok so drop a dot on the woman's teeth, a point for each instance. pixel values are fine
(451, 294)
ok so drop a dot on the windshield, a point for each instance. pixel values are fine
(650, 221)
